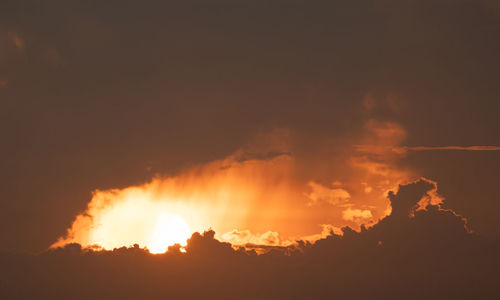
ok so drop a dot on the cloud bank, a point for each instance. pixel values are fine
(412, 254)
(270, 187)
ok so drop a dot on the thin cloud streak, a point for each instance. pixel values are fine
(462, 148)
(402, 150)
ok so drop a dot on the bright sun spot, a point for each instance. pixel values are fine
(169, 230)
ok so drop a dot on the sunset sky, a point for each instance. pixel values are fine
(270, 132)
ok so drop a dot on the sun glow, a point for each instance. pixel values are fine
(169, 230)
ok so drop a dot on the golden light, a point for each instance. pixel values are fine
(169, 230)
(246, 198)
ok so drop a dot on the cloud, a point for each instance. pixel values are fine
(323, 194)
(200, 89)
(356, 214)
(247, 156)
(403, 150)
(430, 250)
(17, 40)
(244, 237)
(183, 86)
(459, 148)
(260, 188)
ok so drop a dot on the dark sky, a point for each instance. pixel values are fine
(98, 95)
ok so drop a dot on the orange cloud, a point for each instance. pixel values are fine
(320, 193)
(269, 190)
(356, 215)
(211, 195)
(243, 237)
(17, 40)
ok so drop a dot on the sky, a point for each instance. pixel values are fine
(268, 122)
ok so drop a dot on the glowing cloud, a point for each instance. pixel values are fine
(320, 193)
(268, 190)
(356, 214)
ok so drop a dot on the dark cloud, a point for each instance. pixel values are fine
(426, 255)
(93, 92)
(244, 156)
(260, 156)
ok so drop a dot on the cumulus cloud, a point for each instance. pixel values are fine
(356, 214)
(431, 250)
(260, 188)
(244, 237)
(323, 194)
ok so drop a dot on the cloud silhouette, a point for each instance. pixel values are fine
(246, 156)
(410, 254)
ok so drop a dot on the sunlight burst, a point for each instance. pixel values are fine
(169, 230)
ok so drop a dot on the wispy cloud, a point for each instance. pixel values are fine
(460, 148)
(405, 149)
